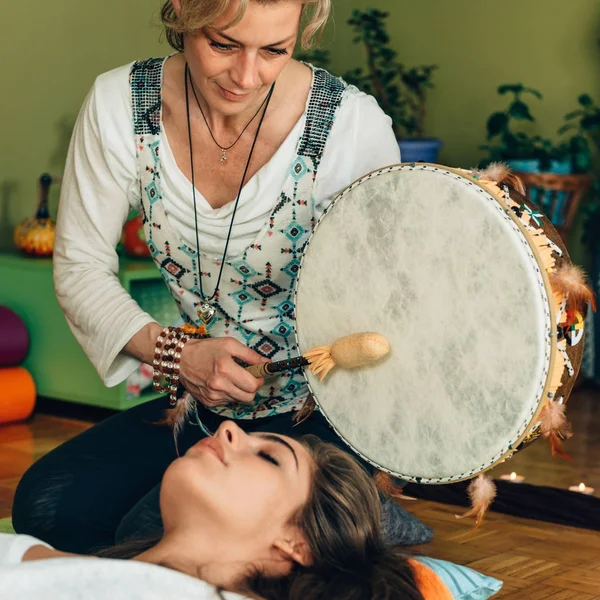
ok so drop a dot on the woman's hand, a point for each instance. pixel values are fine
(209, 372)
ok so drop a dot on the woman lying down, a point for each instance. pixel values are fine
(260, 515)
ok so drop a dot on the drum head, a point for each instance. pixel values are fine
(432, 261)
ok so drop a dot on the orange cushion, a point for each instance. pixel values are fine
(429, 583)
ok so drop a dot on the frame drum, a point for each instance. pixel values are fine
(444, 266)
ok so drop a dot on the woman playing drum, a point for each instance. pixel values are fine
(231, 150)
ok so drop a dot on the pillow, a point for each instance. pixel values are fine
(463, 583)
(400, 528)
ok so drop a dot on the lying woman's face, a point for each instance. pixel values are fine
(236, 486)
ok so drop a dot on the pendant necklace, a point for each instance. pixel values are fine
(222, 148)
(206, 311)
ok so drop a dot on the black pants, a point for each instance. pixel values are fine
(102, 486)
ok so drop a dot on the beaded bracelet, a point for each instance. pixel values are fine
(168, 351)
(167, 357)
(174, 374)
(156, 363)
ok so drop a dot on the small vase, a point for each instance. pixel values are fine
(35, 235)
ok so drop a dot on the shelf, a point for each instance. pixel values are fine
(57, 363)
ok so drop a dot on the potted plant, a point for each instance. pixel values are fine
(400, 91)
(585, 122)
(523, 152)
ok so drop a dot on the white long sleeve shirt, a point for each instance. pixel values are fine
(91, 578)
(100, 188)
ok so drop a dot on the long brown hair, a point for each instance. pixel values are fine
(196, 14)
(342, 525)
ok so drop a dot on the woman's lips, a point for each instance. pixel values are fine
(232, 95)
(213, 446)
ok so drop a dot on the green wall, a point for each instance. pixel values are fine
(51, 52)
(551, 45)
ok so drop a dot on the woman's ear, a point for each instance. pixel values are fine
(176, 6)
(294, 550)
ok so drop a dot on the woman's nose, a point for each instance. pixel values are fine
(230, 434)
(245, 72)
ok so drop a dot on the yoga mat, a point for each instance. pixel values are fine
(17, 394)
(553, 505)
(14, 338)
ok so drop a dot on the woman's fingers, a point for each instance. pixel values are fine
(210, 371)
(244, 353)
(234, 382)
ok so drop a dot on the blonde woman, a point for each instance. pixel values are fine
(231, 150)
(261, 515)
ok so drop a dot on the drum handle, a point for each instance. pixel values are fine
(271, 368)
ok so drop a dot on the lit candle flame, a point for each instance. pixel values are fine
(513, 476)
(582, 487)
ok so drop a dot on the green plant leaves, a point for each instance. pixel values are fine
(567, 127)
(496, 124)
(591, 122)
(574, 114)
(533, 92)
(520, 110)
(514, 88)
(399, 91)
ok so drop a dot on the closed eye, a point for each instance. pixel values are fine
(277, 51)
(222, 47)
(268, 457)
(228, 47)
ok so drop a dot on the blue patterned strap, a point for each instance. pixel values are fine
(145, 81)
(325, 99)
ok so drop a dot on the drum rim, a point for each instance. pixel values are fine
(546, 292)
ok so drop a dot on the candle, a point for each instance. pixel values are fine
(513, 478)
(582, 489)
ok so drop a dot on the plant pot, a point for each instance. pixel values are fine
(526, 165)
(555, 211)
(422, 150)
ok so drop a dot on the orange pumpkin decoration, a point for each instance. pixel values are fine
(35, 235)
(133, 238)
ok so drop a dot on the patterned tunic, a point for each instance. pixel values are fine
(255, 301)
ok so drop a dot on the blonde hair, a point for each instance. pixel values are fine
(197, 14)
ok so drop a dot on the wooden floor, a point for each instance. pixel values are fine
(535, 560)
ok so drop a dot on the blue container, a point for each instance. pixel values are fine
(425, 150)
(542, 197)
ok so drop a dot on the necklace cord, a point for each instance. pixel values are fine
(265, 103)
(206, 121)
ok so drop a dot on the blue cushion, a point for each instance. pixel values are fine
(464, 583)
(400, 528)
